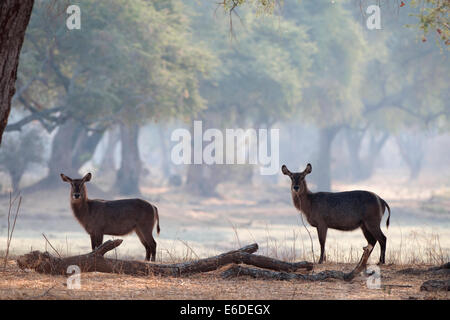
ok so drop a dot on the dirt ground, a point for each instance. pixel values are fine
(19, 284)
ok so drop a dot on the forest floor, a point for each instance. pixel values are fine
(193, 227)
(20, 284)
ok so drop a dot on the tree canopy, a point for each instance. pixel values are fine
(139, 62)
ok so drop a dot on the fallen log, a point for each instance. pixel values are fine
(435, 285)
(96, 262)
(442, 269)
(274, 264)
(236, 270)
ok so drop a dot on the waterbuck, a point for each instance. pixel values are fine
(116, 218)
(339, 210)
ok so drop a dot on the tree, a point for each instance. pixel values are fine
(411, 147)
(406, 87)
(332, 99)
(14, 18)
(18, 152)
(259, 82)
(362, 165)
(108, 159)
(433, 16)
(163, 83)
(64, 88)
(89, 84)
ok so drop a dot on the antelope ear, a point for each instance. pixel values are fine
(65, 178)
(308, 169)
(87, 177)
(285, 170)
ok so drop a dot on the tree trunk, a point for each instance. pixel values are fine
(411, 146)
(71, 148)
(362, 167)
(375, 146)
(95, 262)
(14, 18)
(62, 150)
(130, 168)
(202, 179)
(164, 151)
(354, 140)
(16, 176)
(85, 146)
(108, 163)
(322, 172)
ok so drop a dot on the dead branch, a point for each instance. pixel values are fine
(46, 292)
(442, 269)
(445, 266)
(236, 270)
(51, 245)
(435, 285)
(274, 264)
(95, 261)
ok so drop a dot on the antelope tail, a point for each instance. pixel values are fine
(157, 220)
(389, 209)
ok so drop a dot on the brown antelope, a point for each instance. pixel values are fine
(116, 218)
(344, 211)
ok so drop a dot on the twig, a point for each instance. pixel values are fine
(43, 294)
(51, 245)
(395, 285)
(189, 247)
(105, 247)
(11, 229)
(170, 255)
(310, 238)
(235, 232)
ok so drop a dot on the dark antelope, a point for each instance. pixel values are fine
(116, 218)
(339, 210)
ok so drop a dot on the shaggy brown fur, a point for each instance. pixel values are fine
(116, 218)
(339, 210)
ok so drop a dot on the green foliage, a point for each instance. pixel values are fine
(135, 61)
(131, 61)
(319, 64)
(262, 72)
(260, 6)
(332, 97)
(411, 82)
(433, 17)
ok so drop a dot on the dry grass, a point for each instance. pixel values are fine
(10, 230)
(19, 284)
